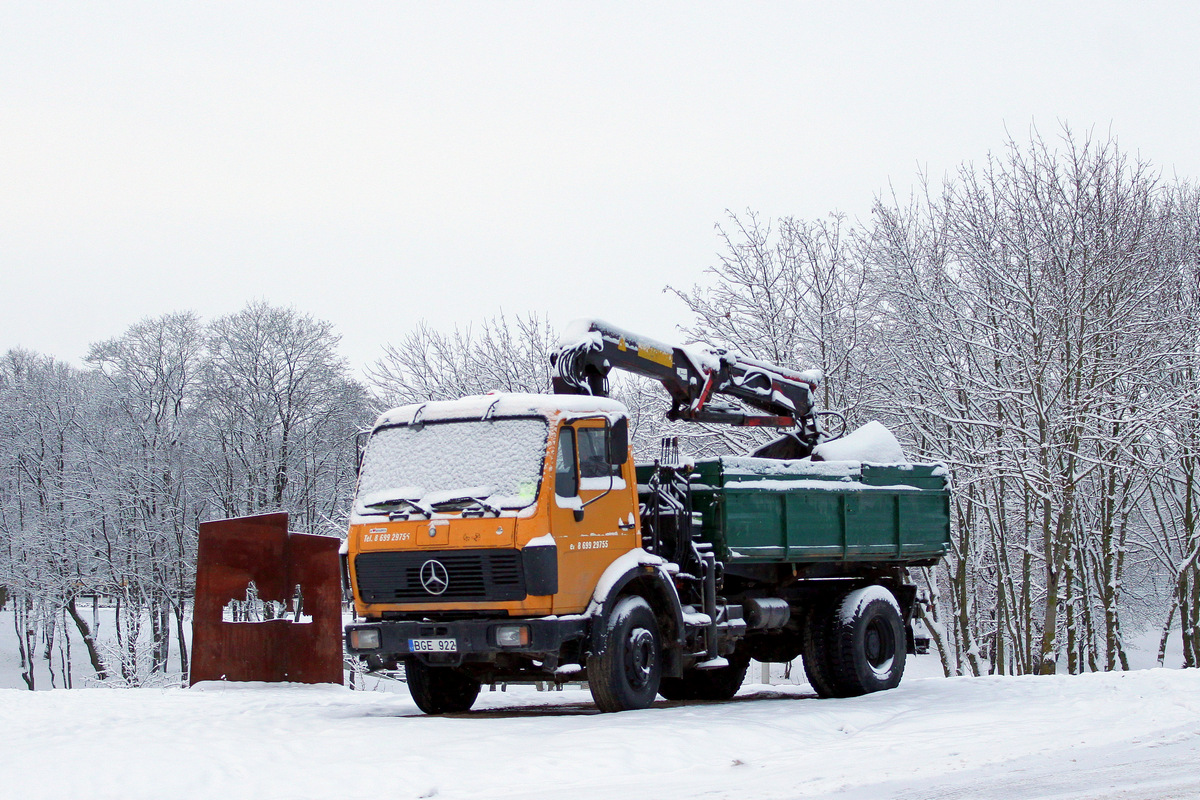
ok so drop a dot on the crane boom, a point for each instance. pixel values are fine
(692, 376)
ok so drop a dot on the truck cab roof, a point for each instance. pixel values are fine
(504, 404)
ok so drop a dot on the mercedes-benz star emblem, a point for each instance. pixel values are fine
(434, 577)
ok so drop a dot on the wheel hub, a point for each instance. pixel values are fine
(639, 657)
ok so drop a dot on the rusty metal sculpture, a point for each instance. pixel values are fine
(234, 554)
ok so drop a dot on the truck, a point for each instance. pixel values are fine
(509, 538)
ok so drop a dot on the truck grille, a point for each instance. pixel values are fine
(469, 575)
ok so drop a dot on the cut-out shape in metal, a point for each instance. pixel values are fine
(231, 554)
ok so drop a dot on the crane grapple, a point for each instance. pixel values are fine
(697, 378)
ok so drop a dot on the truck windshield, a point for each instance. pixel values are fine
(499, 461)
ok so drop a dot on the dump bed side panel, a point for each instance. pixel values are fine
(760, 510)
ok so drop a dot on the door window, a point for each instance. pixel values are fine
(593, 454)
(566, 475)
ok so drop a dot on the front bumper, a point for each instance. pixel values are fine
(475, 640)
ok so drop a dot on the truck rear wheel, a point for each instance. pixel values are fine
(815, 648)
(627, 673)
(867, 642)
(440, 690)
(720, 683)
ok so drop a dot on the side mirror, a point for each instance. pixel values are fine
(360, 446)
(618, 442)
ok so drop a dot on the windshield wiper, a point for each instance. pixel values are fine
(457, 503)
(380, 506)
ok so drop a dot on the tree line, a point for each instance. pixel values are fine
(106, 472)
(1031, 321)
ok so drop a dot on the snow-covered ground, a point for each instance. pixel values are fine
(1117, 735)
(1120, 735)
(1127, 736)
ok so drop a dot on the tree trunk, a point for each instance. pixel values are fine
(1073, 652)
(184, 665)
(88, 641)
(25, 641)
(1166, 632)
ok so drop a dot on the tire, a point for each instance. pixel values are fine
(628, 672)
(440, 690)
(867, 643)
(721, 683)
(815, 648)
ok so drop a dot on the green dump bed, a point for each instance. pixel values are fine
(766, 510)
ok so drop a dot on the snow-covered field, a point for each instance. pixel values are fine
(1117, 735)
(1133, 736)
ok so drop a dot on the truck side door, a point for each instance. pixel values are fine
(588, 486)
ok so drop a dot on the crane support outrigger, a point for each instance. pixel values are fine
(508, 538)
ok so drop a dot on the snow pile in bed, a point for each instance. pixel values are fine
(872, 442)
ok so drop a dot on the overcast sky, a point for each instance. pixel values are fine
(374, 164)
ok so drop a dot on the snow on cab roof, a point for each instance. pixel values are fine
(503, 404)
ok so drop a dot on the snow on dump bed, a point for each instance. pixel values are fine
(841, 458)
(801, 467)
(776, 485)
(502, 404)
(779, 475)
(872, 442)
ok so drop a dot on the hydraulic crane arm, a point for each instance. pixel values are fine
(692, 377)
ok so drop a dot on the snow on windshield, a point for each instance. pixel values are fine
(500, 459)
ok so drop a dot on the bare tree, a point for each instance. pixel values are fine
(1024, 342)
(46, 534)
(106, 473)
(151, 376)
(280, 411)
(1173, 539)
(431, 365)
(798, 297)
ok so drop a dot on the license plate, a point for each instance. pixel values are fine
(433, 645)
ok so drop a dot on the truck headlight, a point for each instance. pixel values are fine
(364, 639)
(512, 635)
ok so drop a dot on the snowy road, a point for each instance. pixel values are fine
(1110, 736)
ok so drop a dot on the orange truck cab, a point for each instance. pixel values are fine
(481, 532)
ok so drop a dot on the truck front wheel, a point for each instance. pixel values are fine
(627, 673)
(867, 642)
(440, 690)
